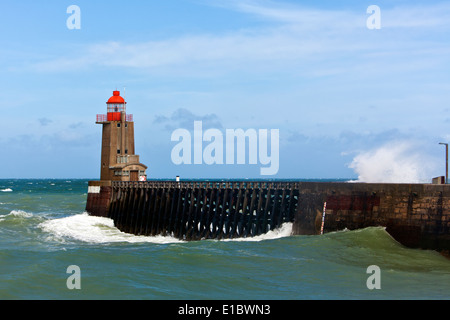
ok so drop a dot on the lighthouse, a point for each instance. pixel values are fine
(118, 159)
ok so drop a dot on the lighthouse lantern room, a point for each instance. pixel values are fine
(115, 105)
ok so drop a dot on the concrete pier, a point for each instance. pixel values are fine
(416, 215)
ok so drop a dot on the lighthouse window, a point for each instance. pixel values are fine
(118, 125)
(118, 151)
(126, 151)
(122, 159)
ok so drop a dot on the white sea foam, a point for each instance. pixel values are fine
(90, 229)
(20, 214)
(284, 231)
(6, 190)
(394, 162)
(86, 228)
(17, 214)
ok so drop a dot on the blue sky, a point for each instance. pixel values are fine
(349, 101)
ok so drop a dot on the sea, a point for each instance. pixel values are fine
(51, 249)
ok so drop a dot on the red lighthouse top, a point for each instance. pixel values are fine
(116, 105)
(116, 98)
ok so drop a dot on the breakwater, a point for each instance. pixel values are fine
(416, 215)
(195, 210)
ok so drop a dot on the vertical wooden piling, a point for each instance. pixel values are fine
(200, 210)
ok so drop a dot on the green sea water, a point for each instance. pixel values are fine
(44, 230)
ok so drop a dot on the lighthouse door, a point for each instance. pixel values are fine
(134, 175)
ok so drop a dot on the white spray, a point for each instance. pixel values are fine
(395, 162)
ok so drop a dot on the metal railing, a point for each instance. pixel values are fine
(104, 118)
(207, 184)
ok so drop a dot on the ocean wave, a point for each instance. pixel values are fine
(16, 215)
(96, 230)
(395, 162)
(21, 214)
(285, 230)
(7, 190)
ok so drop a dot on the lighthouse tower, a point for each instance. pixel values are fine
(118, 161)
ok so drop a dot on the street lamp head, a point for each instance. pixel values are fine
(446, 144)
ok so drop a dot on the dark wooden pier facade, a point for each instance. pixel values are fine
(202, 210)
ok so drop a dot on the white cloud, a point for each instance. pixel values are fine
(307, 18)
(436, 16)
(321, 42)
(431, 15)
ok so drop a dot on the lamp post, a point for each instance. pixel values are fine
(446, 161)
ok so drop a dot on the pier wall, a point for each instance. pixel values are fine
(416, 215)
(99, 198)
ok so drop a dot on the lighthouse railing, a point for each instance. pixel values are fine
(102, 118)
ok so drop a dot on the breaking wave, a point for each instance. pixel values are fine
(16, 215)
(394, 162)
(285, 230)
(86, 228)
(98, 230)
